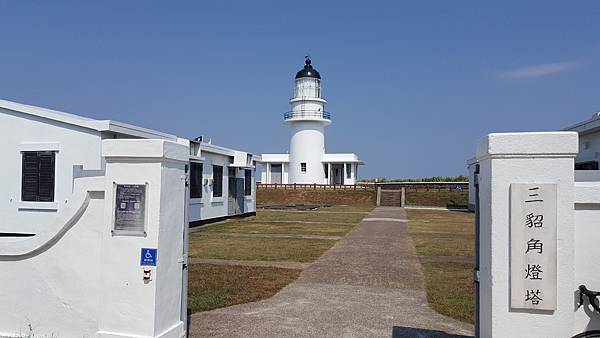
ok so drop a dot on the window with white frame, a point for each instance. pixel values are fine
(303, 167)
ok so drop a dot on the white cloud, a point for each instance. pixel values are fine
(538, 70)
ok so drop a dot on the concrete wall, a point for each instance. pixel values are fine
(524, 158)
(75, 278)
(307, 145)
(73, 145)
(587, 237)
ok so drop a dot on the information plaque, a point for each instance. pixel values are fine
(533, 246)
(130, 209)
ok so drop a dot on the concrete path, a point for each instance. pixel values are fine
(243, 234)
(368, 285)
(272, 264)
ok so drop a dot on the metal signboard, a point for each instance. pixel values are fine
(148, 257)
(130, 209)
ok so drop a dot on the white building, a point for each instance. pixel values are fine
(307, 162)
(589, 143)
(587, 158)
(44, 151)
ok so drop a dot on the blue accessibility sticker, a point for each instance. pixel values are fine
(148, 257)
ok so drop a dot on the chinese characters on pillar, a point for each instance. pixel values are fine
(533, 246)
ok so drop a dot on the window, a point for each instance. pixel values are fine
(326, 168)
(348, 170)
(37, 176)
(247, 182)
(303, 167)
(217, 181)
(195, 180)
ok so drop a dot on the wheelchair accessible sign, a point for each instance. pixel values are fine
(148, 257)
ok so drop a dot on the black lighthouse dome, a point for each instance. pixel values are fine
(308, 70)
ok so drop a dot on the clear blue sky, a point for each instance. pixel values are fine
(412, 85)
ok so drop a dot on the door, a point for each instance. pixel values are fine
(232, 195)
(240, 197)
(276, 173)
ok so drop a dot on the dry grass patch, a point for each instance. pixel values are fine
(216, 286)
(449, 284)
(267, 216)
(258, 249)
(442, 233)
(258, 227)
(450, 289)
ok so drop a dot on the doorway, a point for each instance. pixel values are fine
(337, 173)
(276, 173)
(235, 198)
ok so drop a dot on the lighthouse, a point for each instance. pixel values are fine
(306, 161)
(307, 121)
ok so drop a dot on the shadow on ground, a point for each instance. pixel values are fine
(411, 332)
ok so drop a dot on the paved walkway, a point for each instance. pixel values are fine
(368, 285)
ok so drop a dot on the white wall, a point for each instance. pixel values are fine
(75, 279)
(587, 250)
(524, 158)
(74, 146)
(307, 145)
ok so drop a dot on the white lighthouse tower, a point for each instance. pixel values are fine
(307, 121)
(306, 162)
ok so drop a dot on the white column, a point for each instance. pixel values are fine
(268, 173)
(283, 178)
(330, 179)
(504, 160)
(152, 307)
(344, 174)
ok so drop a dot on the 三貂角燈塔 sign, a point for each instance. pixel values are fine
(533, 246)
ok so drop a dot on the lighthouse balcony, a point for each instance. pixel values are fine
(314, 115)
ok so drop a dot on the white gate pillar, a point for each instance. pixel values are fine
(529, 158)
(142, 242)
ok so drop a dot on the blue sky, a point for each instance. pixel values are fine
(412, 85)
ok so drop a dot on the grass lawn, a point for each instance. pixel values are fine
(442, 233)
(439, 233)
(257, 227)
(267, 216)
(450, 289)
(215, 286)
(259, 249)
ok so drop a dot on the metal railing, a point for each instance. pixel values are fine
(307, 114)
